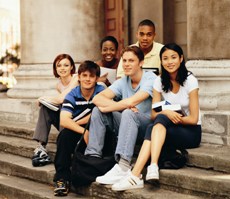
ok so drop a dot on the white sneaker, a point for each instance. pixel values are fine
(152, 172)
(128, 182)
(112, 176)
(40, 157)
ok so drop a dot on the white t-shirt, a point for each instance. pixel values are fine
(182, 96)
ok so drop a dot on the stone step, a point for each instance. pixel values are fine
(205, 183)
(20, 188)
(22, 167)
(214, 157)
(12, 187)
(16, 153)
(18, 110)
(22, 147)
(148, 192)
(190, 181)
(23, 130)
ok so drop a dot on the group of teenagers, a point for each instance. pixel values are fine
(132, 117)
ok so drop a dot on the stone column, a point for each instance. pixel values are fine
(209, 59)
(147, 9)
(49, 28)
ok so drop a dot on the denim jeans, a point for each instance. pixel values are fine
(129, 126)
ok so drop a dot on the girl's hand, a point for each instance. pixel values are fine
(103, 78)
(175, 117)
(40, 98)
(37, 102)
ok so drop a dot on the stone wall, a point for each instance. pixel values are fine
(209, 60)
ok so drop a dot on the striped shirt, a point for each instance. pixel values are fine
(77, 105)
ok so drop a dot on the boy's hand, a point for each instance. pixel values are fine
(134, 109)
(86, 136)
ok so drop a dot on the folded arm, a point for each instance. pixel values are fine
(67, 122)
(175, 117)
(105, 103)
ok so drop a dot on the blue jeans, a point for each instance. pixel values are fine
(128, 125)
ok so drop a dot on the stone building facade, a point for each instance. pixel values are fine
(51, 27)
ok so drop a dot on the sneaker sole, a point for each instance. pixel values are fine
(153, 181)
(128, 188)
(152, 178)
(40, 164)
(60, 193)
(106, 182)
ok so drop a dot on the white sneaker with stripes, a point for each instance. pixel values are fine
(128, 182)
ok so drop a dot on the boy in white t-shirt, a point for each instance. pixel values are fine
(130, 115)
(169, 129)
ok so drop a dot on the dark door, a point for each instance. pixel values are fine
(114, 20)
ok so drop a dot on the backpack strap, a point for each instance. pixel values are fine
(82, 137)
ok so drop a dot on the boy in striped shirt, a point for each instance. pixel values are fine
(75, 113)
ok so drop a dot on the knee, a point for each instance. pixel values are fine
(95, 113)
(127, 113)
(63, 136)
(161, 117)
(158, 128)
(163, 120)
(148, 132)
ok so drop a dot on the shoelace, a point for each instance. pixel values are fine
(39, 148)
(60, 184)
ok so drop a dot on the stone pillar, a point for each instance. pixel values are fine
(147, 9)
(49, 28)
(209, 59)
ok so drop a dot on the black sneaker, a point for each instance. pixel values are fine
(61, 188)
(40, 157)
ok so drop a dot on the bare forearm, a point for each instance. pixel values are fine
(189, 120)
(58, 99)
(115, 107)
(71, 125)
(83, 120)
(101, 101)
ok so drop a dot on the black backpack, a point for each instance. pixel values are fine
(85, 168)
(171, 158)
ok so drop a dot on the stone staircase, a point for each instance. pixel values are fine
(206, 176)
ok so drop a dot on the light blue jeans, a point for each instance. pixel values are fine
(128, 125)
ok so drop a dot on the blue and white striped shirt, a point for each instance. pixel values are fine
(77, 105)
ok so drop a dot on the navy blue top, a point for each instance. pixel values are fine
(77, 105)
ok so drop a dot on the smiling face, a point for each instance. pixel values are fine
(87, 80)
(145, 36)
(108, 51)
(171, 61)
(131, 63)
(64, 68)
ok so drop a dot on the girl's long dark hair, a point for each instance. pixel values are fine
(182, 71)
